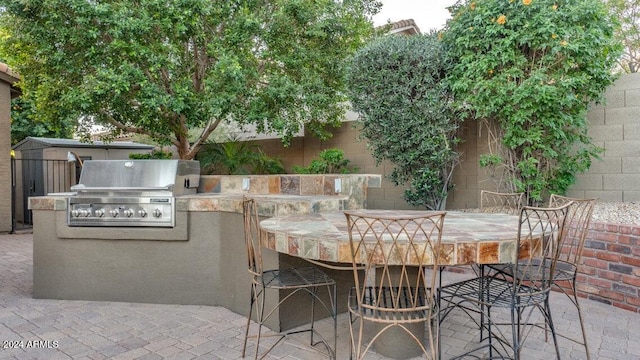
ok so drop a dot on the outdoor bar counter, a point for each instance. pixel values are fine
(467, 237)
(200, 261)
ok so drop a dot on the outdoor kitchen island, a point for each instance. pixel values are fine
(199, 261)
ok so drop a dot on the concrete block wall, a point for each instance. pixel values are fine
(615, 126)
(303, 150)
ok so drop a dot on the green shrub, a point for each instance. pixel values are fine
(155, 154)
(396, 85)
(331, 161)
(265, 164)
(237, 158)
(532, 67)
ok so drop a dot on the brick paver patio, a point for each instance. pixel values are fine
(64, 329)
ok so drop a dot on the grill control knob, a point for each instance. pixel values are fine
(157, 213)
(113, 213)
(128, 212)
(142, 213)
(75, 213)
(85, 212)
(99, 212)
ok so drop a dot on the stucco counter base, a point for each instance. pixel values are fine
(202, 261)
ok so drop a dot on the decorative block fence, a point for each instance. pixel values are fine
(611, 266)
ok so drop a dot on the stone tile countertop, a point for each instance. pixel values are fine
(468, 238)
(276, 195)
(268, 205)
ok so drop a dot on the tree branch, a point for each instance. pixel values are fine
(129, 129)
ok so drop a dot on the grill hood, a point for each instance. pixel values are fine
(177, 176)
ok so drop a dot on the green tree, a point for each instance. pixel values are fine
(628, 13)
(532, 67)
(23, 124)
(396, 85)
(160, 68)
(23, 121)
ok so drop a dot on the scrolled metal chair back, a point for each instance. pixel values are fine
(396, 253)
(395, 250)
(577, 226)
(503, 203)
(541, 233)
(252, 237)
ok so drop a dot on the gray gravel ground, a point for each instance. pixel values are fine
(627, 213)
(617, 212)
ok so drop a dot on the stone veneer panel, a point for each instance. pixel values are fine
(293, 244)
(344, 252)
(274, 184)
(231, 184)
(269, 238)
(290, 185)
(329, 185)
(447, 254)
(310, 248)
(258, 185)
(289, 208)
(209, 184)
(505, 249)
(327, 250)
(282, 244)
(311, 185)
(487, 253)
(467, 254)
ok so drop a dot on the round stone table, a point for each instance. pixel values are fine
(467, 237)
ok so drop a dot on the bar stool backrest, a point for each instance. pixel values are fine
(503, 203)
(394, 260)
(577, 226)
(252, 237)
(541, 232)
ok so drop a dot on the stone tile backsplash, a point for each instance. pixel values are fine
(352, 185)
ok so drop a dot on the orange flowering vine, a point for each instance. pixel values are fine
(526, 2)
(502, 19)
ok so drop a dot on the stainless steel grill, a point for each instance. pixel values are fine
(131, 192)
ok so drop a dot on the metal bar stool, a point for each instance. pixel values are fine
(306, 279)
(395, 290)
(540, 236)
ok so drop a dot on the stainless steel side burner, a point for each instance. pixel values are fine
(131, 192)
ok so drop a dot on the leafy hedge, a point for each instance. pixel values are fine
(532, 67)
(396, 85)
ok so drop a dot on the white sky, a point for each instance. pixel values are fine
(428, 14)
